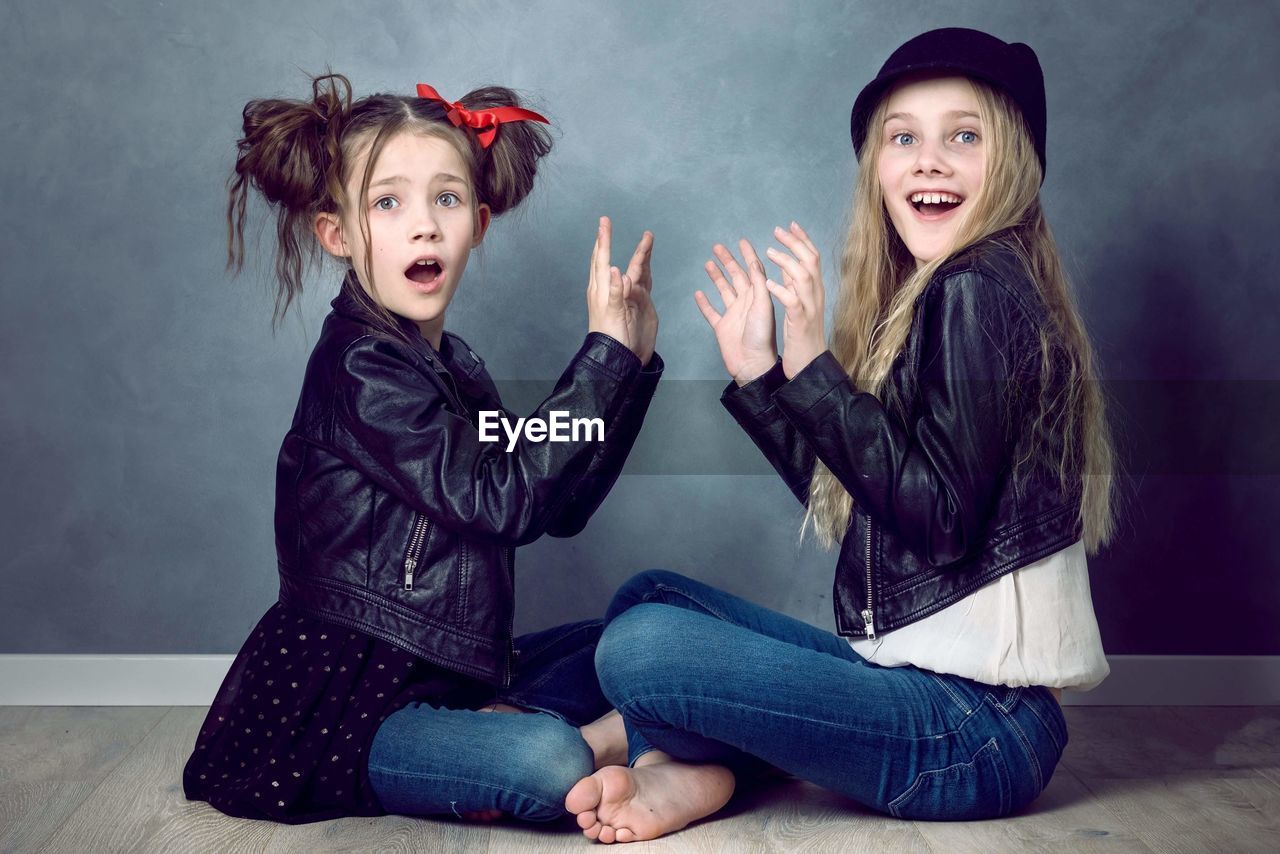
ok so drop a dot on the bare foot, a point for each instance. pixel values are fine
(607, 739)
(658, 796)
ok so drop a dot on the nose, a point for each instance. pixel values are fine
(931, 159)
(425, 225)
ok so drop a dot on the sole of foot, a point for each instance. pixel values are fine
(620, 804)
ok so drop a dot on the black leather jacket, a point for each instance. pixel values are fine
(393, 518)
(936, 513)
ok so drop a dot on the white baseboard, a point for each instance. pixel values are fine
(111, 680)
(192, 680)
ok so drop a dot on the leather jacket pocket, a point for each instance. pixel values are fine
(976, 789)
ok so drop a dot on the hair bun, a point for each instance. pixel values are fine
(506, 169)
(331, 98)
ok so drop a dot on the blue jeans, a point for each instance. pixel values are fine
(707, 677)
(426, 760)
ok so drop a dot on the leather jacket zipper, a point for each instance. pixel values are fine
(511, 622)
(868, 616)
(415, 549)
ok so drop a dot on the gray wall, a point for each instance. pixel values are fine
(145, 395)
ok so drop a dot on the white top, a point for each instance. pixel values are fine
(1032, 626)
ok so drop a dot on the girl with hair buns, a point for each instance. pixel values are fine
(366, 688)
(951, 439)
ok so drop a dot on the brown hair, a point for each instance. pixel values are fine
(879, 283)
(298, 154)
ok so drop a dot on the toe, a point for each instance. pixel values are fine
(625, 834)
(587, 819)
(607, 834)
(584, 796)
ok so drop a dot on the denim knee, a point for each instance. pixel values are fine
(636, 590)
(632, 653)
(550, 761)
(441, 761)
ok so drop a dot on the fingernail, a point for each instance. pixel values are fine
(795, 224)
(778, 229)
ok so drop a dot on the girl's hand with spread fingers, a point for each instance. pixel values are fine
(801, 295)
(609, 306)
(745, 331)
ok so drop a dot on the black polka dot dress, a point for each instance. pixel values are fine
(288, 734)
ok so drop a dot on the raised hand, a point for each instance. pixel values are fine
(646, 326)
(609, 306)
(802, 297)
(745, 331)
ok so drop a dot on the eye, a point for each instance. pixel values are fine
(448, 200)
(968, 137)
(386, 203)
(902, 138)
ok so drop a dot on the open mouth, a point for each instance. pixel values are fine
(424, 271)
(934, 204)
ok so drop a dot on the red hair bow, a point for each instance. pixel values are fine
(484, 122)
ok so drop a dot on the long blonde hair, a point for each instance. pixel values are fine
(879, 284)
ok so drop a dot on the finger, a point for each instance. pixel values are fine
(602, 257)
(795, 226)
(731, 266)
(802, 290)
(615, 287)
(807, 254)
(708, 312)
(797, 246)
(786, 297)
(796, 278)
(628, 287)
(727, 293)
(638, 268)
(788, 264)
(592, 272)
(755, 267)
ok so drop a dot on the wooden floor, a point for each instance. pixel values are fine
(1133, 779)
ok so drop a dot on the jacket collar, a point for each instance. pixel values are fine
(453, 357)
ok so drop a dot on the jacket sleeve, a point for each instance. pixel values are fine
(605, 466)
(932, 483)
(753, 407)
(395, 424)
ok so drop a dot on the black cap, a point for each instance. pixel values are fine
(1012, 68)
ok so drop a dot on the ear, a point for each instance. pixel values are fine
(329, 232)
(483, 216)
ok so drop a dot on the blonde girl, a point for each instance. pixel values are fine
(949, 437)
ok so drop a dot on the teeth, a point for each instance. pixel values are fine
(934, 198)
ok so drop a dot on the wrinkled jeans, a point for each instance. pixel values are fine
(426, 760)
(707, 677)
